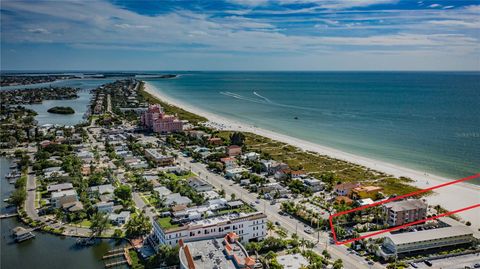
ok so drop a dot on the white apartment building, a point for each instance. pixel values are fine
(249, 227)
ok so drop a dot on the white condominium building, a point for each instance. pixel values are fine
(248, 227)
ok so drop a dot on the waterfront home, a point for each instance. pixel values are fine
(120, 218)
(405, 211)
(271, 166)
(281, 174)
(297, 174)
(412, 243)
(314, 184)
(251, 156)
(101, 189)
(345, 189)
(234, 150)
(197, 134)
(363, 192)
(344, 200)
(156, 120)
(59, 187)
(366, 201)
(209, 253)
(199, 184)
(158, 158)
(104, 207)
(229, 162)
(251, 227)
(58, 199)
(73, 206)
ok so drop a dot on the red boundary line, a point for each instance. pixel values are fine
(397, 198)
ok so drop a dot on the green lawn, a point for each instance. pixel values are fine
(175, 177)
(165, 223)
(84, 223)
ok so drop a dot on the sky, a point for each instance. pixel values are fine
(240, 35)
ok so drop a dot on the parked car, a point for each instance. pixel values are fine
(477, 265)
(308, 231)
(278, 224)
(428, 263)
(414, 265)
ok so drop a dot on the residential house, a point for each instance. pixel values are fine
(59, 198)
(363, 192)
(234, 150)
(199, 185)
(120, 218)
(158, 158)
(215, 141)
(104, 207)
(59, 187)
(314, 184)
(229, 162)
(345, 189)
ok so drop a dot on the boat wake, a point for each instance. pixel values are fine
(260, 99)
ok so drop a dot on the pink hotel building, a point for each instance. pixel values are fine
(156, 119)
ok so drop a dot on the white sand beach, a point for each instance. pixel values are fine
(452, 197)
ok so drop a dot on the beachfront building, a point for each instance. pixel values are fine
(314, 184)
(405, 211)
(158, 158)
(248, 226)
(345, 189)
(413, 242)
(156, 120)
(226, 252)
(364, 192)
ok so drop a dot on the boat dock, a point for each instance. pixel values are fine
(21, 234)
(118, 253)
(8, 215)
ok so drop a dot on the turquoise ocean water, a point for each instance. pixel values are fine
(428, 121)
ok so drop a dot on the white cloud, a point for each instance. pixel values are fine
(434, 5)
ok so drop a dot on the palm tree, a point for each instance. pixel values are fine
(99, 224)
(270, 227)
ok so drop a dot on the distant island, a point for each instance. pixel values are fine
(61, 110)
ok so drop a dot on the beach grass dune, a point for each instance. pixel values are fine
(452, 197)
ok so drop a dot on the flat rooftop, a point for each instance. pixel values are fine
(433, 234)
(209, 254)
(409, 204)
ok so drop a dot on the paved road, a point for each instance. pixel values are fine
(31, 195)
(291, 224)
(459, 262)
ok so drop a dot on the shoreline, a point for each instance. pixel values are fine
(447, 197)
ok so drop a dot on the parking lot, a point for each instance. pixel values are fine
(459, 262)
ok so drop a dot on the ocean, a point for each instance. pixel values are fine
(427, 121)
